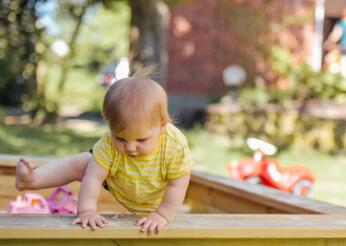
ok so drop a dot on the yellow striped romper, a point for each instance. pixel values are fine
(139, 183)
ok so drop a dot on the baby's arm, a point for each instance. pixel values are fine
(172, 200)
(174, 197)
(88, 195)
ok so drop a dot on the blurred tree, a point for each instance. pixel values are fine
(77, 11)
(149, 23)
(41, 107)
(19, 47)
(25, 47)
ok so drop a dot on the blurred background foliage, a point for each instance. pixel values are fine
(18, 36)
(304, 109)
(300, 82)
(41, 80)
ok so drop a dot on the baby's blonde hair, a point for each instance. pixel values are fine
(135, 100)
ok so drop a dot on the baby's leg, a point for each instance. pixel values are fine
(54, 173)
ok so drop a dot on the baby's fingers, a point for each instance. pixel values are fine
(141, 221)
(77, 221)
(160, 226)
(92, 224)
(104, 220)
(146, 225)
(152, 227)
(85, 223)
(101, 221)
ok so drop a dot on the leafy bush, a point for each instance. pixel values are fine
(302, 82)
(299, 82)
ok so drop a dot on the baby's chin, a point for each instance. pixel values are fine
(133, 155)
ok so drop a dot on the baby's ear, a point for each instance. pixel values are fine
(163, 127)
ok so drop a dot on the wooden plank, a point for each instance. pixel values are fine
(214, 199)
(190, 226)
(202, 185)
(177, 241)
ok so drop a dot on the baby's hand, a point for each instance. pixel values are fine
(91, 218)
(152, 223)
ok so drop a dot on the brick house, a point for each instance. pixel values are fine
(206, 36)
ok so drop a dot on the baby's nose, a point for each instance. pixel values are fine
(130, 147)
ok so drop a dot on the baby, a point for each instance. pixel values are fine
(143, 160)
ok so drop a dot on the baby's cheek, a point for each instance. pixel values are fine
(148, 148)
(143, 150)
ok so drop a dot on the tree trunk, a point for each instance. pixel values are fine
(149, 24)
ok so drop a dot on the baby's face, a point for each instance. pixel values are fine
(137, 141)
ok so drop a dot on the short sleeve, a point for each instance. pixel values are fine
(181, 164)
(103, 152)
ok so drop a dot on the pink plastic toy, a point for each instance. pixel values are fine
(61, 201)
(29, 203)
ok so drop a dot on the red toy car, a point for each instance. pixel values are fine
(261, 170)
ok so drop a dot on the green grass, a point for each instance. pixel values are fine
(49, 140)
(211, 153)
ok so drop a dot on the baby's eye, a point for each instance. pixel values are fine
(120, 139)
(142, 140)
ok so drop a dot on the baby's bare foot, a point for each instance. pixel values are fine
(24, 174)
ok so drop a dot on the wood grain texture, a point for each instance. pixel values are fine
(189, 226)
(234, 196)
(174, 242)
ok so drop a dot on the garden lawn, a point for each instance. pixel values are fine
(48, 140)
